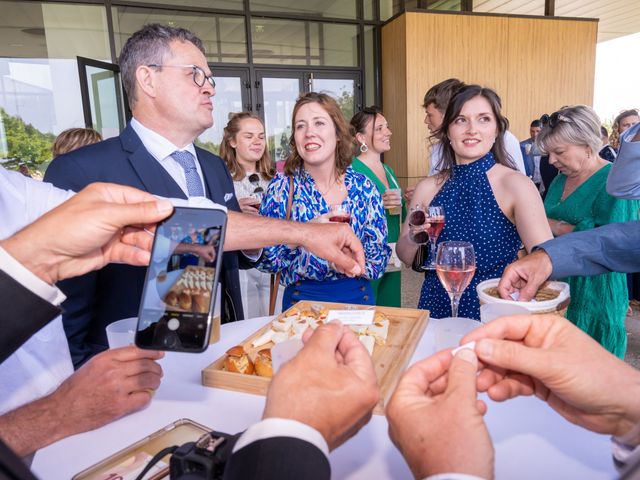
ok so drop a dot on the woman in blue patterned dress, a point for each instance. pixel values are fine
(486, 201)
(319, 163)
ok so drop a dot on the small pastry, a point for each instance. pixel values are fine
(263, 364)
(238, 361)
(308, 315)
(171, 299)
(292, 314)
(200, 304)
(379, 330)
(299, 326)
(184, 299)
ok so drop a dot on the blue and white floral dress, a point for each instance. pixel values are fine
(307, 276)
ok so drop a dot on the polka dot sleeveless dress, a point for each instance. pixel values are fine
(471, 215)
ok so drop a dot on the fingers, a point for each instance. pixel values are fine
(355, 356)
(514, 356)
(418, 378)
(139, 213)
(348, 263)
(462, 374)
(515, 327)
(126, 354)
(324, 340)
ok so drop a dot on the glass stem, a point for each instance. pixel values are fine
(432, 251)
(455, 301)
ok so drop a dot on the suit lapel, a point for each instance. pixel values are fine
(153, 176)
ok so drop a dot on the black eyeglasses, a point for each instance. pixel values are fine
(554, 119)
(199, 77)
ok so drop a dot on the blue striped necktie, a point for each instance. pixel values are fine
(187, 162)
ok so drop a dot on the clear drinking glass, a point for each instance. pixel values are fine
(455, 266)
(435, 218)
(340, 213)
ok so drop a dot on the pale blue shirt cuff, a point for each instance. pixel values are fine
(27, 279)
(282, 427)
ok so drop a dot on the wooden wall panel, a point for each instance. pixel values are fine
(551, 63)
(535, 65)
(394, 85)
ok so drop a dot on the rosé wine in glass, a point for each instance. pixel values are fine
(435, 218)
(455, 266)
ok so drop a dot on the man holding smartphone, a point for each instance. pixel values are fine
(170, 89)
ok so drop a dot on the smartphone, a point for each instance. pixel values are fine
(179, 294)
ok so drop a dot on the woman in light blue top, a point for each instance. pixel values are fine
(319, 165)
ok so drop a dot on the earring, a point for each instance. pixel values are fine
(363, 148)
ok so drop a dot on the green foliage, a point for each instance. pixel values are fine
(26, 144)
(345, 102)
(212, 147)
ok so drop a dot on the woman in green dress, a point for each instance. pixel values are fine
(577, 200)
(374, 138)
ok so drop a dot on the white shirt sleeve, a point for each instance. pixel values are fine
(282, 427)
(453, 476)
(22, 275)
(512, 146)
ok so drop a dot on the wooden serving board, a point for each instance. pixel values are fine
(406, 327)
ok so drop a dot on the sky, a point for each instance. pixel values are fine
(617, 76)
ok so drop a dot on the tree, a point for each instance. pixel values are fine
(25, 143)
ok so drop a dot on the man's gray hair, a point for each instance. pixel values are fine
(149, 45)
(577, 125)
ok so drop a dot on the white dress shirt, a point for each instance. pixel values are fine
(43, 362)
(161, 149)
(511, 146)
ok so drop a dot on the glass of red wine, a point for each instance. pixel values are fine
(455, 266)
(435, 219)
(340, 213)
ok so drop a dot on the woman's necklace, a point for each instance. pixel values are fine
(336, 181)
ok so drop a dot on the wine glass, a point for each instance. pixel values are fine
(435, 218)
(340, 213)
(455, 266)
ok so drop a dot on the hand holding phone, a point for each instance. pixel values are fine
(181, 282)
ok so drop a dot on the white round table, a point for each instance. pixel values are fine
(531, 440)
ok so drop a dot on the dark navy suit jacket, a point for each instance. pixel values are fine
(99, 298)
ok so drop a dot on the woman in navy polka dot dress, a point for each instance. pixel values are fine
(486, 201)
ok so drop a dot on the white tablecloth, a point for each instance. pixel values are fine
(532, 441)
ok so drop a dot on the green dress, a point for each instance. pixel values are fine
(598, 303)
(387, 288)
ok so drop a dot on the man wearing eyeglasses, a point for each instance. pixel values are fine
(170, 90)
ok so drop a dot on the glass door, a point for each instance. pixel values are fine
(277, 95)
(346, 88)
(233, 94)
(101, 96)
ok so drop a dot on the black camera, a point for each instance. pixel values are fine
(204, 459)
(201, 460)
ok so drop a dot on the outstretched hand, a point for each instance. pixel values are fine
(103, 223)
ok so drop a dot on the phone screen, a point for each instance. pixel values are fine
(181, 283)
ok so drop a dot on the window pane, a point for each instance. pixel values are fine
(343, 90)
(289, 42)
(369, 66)
(450, 5)
(39, 82)
(223, 36)
(322, 8)
(368, 10)
(338, 45)
(280, 96)
(514, 7)
(388, 8)
(226, 4)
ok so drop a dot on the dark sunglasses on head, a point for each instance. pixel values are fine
(554, 119)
